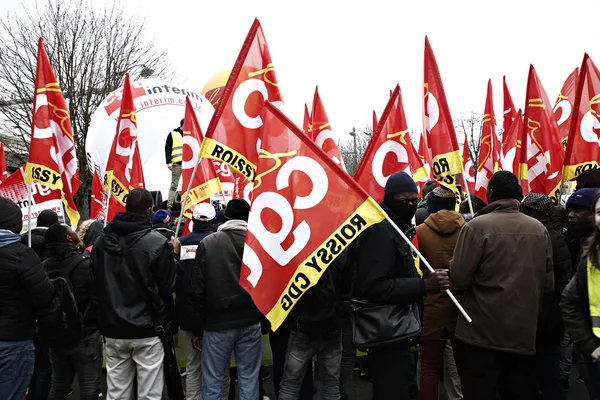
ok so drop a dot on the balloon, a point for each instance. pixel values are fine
(213, 89)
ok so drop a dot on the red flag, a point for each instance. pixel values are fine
(205, 182)
(511, 148)
(485, 165)
(390, 150)
(306, 126)
(288, 247)
(563, 108)
(424, 155)
(52, 159)
(234, 133)
(468, 176)
(124, 167)
(510, 112)
(321, 130)
(440, 137)
(3, 173)
(542, 156)
(98, 200)
(583, 145)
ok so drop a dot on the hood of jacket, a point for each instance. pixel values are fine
(59, 252)
(132, 226)
(234, 225)
(505, 205)
(8, 237)
(445, 222)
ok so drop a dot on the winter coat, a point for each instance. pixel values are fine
(38, 241)
(186, 265)
(124, 312)
(575, 307)
(437, 238)
(218, 302)
(63, 257)
(25, 289)
(503, 262)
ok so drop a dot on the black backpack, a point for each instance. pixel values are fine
(61, 325)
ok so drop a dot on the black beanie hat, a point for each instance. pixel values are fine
(400, 182)
(10, 214)
(47, 218)
(237, 209)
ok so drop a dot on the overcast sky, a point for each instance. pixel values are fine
(356, 51)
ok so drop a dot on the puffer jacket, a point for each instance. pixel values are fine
(67, 261)
(24, 288)
(437, 239)
(124, 312)
(38, 242)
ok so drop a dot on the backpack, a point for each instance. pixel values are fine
(61, 324)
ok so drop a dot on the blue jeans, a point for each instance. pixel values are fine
(246, 344)
(39, 387)
(301, 349)
(16, 368)
(83, 359)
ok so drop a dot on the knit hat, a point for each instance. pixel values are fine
(47, 218)
(237, 209)
(428, 188)
(538, 202)
(583, 198)
(441, 198)
(161, 217)
(204, 212)
(11, 214)
(400, 182)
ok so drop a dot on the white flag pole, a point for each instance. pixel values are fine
(412, 246)
(187, 194)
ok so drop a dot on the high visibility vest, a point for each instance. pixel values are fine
(593, 279)
(177, 150)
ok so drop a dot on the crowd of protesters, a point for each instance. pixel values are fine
(526, 271)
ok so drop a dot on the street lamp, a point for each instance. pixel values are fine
(353, 134)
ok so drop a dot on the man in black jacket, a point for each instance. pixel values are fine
(24, 291)
(83, 358)
(386, 274)
(128, 322)
(551, 329)
(224, 314)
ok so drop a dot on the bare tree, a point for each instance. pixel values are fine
(353, 148)
(470, 125)
(90, 49)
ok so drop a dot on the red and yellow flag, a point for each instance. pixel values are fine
(321, 133)
(390, 150)
(510, 112)
(124, 167)
(98, 197)
(511, 147)
(424, 155)
(52, 158)
(288, 247)
(563, 108)
(468, 174)
(233, 135)
(306, 126)
(3, 173)
(487, 157)
(583, 145)
(542, 155)
(437, 122)
(205, 182)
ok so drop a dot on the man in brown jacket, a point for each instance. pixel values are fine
(503, 262)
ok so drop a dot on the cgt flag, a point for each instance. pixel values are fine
(389, 150)
(306, 126)
(205, 182)
(469, 176)
(510, 112)
(52, 159)
(488, 147)
(511, 147)
(563, 108)
(124, 167)
(233, 135)
(321, 133)
(288, 247)
(3, 173)
(583, 145)
(542, 156)
(98, 200)
(438, 124)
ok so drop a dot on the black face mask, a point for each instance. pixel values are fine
(403, 211)
(576, 231)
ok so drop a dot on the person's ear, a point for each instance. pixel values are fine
(149, 212)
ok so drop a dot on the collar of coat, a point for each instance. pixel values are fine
(500, 206)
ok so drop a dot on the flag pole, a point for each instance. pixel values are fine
(412, 246)
(468, 194)
(187, 194)
(29, 214)
(106, 207)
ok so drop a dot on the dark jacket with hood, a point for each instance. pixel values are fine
(67, 261)
(187, 263)
(24, 288)
(218, 301)
(38, 242)
(124, 312)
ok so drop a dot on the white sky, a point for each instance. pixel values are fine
(356, 51)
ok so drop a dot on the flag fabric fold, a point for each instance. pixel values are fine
(564, 106)
(306, 126)
(321, 132)
(468, 174)
(98, 197)
(511, 146)
(510, 112)
(487, 147)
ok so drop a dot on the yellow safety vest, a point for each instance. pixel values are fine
(593, 279)
(177, 150)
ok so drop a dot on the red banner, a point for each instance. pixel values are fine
(306, 126)
(234, 132)
(486, 159)
(321, 133)
(288, 247)
(3, 173)
(98, 200)
(563, 108)
(438, 124)
(511, 147)
(52, 158)
(510, 112)
(543, 155)
(124, 167)
(205, 182)
(390, 150)
(583, 145)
